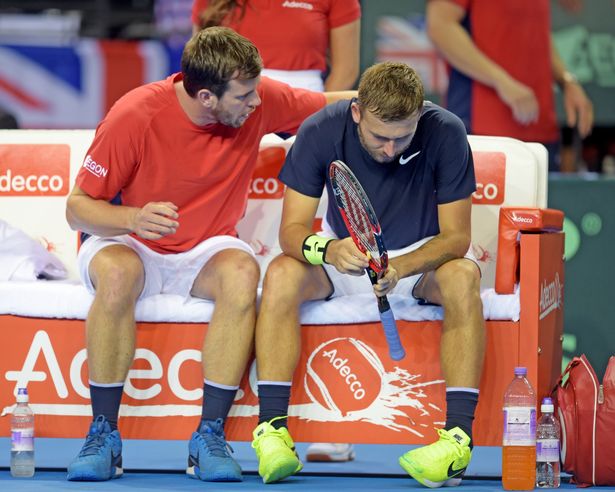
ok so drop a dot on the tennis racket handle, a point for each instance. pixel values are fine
(396, 349)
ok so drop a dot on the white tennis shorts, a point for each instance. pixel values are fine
(164, 273)
(344, 284)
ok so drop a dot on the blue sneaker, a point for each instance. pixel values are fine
(100, 457)
(209, 458)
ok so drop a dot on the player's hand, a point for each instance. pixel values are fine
(578, 107)
(155, 220)
(344, 255)
(387, 283)
(520, 98)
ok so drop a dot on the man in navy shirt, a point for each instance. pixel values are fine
(414, 162)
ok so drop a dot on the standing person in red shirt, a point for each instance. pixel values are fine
(161, 190)
(299, 41)
(503, 69)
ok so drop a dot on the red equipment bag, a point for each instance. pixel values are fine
(586, 411)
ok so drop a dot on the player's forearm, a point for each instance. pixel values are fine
(332, 97)
(434, 253)
(99, 217)
(341, 79)
(457, 46)
(344, 43)
(561, 75)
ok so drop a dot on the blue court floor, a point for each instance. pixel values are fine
(159, 465)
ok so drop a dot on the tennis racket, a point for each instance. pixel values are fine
(364, 228)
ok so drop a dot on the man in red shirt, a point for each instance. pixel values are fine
(161, 190)
(503, 69)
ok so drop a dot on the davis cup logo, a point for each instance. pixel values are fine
(344, 375)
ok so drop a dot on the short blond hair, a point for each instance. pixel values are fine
(216, 55)
(391, 91)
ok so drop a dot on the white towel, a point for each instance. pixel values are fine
(24, 259)
(70, 300)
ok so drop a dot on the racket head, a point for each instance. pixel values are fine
(358, 215)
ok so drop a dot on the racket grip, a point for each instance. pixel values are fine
(396, 349)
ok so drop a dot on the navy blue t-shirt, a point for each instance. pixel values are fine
(438, 168)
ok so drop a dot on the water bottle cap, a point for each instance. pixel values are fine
(547, 405)
(22, 395)
(520, 371)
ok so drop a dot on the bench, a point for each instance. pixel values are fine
(345, 389)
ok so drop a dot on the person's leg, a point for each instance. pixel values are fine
(455, 286)
(554, 153)
(463, 332)
(288, 283)
(230, 279)
(117, 274)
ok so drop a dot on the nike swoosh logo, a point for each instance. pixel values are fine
(404, 160)
(454, 473)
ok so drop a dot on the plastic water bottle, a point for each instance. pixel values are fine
(519, 440)
(22, 437)
(547, 448)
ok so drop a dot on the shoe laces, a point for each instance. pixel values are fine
(95, 439)
(212, 434)
(270, 432)
(447, 437)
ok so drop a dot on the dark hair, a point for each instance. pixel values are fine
(217, 10)
(215, 55)
(392, 91)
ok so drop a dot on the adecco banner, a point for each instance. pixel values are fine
(345, 376)
(34, 170)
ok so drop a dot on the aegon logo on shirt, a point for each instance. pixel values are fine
(490, 171)
(264, 183)
(34, 169)
(95, 168)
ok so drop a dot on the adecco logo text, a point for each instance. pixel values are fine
(34, 169)
(490, 171)
(265, 184)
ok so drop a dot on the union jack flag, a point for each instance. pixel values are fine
(71, 87)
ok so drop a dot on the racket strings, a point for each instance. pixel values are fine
(357, 217)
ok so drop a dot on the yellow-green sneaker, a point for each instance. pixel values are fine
(275, 450)
(441, 463)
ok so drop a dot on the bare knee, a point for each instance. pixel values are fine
(459, 283)
(118, 276)
(284, 280)
(238, 281)
(246, 273)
